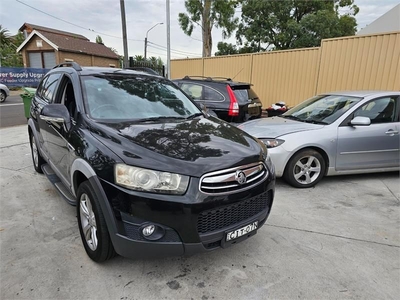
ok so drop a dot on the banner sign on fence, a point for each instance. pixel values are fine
(21, 76)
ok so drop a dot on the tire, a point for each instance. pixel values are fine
(3, 96)
(37, 159)
(92, 225)
(305, 169)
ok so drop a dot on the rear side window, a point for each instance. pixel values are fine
(48, 87)
(244, 93)
(201, 92)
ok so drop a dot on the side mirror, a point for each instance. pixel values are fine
(360, 121)
(57, 114)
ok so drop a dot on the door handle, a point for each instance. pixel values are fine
(391, 132)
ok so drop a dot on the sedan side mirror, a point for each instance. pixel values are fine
(360, 121)
(57, 114)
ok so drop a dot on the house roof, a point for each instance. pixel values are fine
(388, 22)
(71, 44)
(30, 27)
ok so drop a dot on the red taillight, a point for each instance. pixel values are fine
(234, 105)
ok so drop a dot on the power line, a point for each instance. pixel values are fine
(156, 53)
(160, 47)
(174, 50)
(50, 15)
(178, 53)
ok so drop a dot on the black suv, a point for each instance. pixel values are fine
(232, 101)
(150, 173)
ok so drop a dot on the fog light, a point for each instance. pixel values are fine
(148, 230)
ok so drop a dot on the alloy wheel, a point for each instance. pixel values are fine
(307, 169)
(88, 222)
(35, 153)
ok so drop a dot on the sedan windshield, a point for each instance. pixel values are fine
(137, 98)
(324, 109)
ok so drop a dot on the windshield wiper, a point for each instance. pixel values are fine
(194, 116)
(160, 118)
(291, 117)
(315, 122)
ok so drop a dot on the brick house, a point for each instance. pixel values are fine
(46, 47)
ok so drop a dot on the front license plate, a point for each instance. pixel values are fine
(241, 231)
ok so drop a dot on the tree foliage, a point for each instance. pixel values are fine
(99, 40)
(229, 49)
(208, 14)
(295, 24)
(155, 61)
(8, 47)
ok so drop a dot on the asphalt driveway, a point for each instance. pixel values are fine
(339, 240)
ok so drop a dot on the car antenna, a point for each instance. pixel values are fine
(237, 73)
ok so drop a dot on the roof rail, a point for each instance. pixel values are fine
(193, 76)
(72, 64)
(223, 78)
(208, 78)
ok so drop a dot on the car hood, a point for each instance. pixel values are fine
(189, 147)
(275, 127)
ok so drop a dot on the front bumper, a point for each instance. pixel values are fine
(279, 157)
(191, 224)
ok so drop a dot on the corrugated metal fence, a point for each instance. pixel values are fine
(359, 62)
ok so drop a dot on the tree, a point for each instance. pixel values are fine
(229, 49)
(99, 40)
(5, 36)
(295, 24)
(139, 58)
(157, 62)
(8, 46)
(226, 49)
(207, 14)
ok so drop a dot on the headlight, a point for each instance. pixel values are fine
(150, 181)
(272, 143)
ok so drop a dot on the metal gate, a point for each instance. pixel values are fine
(146, 66)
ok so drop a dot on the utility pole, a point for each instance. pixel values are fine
(168, 42)
(145, 40)
(145, 48)
(124, 35)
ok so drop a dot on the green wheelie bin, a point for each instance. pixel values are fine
(27, 97)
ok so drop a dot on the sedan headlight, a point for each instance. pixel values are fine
(272, 143)
(149, 180)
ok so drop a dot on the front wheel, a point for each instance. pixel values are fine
(3, 96)
(92, 225)
(305, 169)
(37, 159)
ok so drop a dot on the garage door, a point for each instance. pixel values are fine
(35, 60)
(49, 59)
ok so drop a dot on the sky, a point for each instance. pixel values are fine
(103, 17)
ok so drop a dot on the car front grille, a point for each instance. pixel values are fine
(225, 216)
(225, 182)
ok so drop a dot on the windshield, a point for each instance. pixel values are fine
(244, 93)
(323, 109)
(127, 97)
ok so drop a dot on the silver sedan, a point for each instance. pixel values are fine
(332, 134)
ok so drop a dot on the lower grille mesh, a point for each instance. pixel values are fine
(225, 216)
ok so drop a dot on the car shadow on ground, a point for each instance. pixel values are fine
(334, 180)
